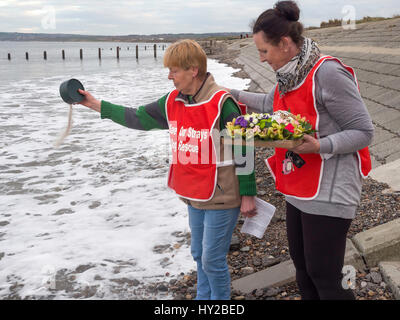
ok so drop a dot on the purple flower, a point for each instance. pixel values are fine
(241, 121)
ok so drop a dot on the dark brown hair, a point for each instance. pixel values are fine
(281, 21)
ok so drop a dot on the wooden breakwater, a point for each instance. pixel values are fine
(118, 50)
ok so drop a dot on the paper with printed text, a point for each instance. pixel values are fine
(257, 225)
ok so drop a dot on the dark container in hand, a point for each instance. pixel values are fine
(69, 91)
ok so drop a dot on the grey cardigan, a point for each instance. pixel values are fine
(345, 126)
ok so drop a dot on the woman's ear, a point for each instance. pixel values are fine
(284, 44)
(195, 71)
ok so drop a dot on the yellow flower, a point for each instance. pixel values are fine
(298, 132)
(275, 132)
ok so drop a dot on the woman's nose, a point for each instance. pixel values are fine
(262, 58)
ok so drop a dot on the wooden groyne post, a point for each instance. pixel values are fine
(9, 56)
(162, 47)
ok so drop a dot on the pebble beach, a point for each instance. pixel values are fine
(249, 254)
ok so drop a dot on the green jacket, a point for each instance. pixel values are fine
(153, 116)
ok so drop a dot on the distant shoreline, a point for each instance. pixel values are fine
(59, 40)
(20, 37)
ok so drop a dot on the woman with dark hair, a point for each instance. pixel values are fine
(323, 191)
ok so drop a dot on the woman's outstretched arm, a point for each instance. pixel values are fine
(148, 117)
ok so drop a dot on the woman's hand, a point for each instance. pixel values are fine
(309, 145)
(248, 207)
(90, 101)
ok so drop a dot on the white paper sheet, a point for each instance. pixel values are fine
(257, 225)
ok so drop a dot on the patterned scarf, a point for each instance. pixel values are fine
(292, 74)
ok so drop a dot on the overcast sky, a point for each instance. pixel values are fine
(125, 17)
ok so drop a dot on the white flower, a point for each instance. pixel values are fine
(276, 117)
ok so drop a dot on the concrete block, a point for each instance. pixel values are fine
(394, 125)
(391, 274)
(363, 64)
(275, 276)
(389, 98)
(390, 82)
(391, 58)
(380, 243)
(386, 148)
(393, 157)
(353, 257)
(388, 173)
(373, 92)
(371, 77)
(285, 272)
(373, 66)
(381, 135)
(390, 69)
(373, 107)
(386, 115)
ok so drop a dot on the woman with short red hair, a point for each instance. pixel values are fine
(200, 173)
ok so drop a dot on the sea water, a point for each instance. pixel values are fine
(84, 220)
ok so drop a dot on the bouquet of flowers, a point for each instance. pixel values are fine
(281, 125)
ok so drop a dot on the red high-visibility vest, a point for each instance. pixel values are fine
(304, 182)
(242, 107)
(193, 172)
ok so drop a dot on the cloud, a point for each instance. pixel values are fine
(34, 13)
(28, 3)
(7, 3)
(28, 30)
(169, 16)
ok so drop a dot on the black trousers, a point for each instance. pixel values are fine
(317, 246)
